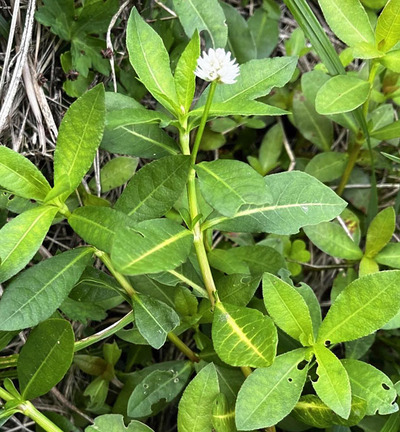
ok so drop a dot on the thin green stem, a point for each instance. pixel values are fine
(203, 121)
(191, 355)
(246, 370)
(122, 280)
(103, 334)
(353, 156)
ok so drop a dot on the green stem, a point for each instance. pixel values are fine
(103, 334)
(30, 411)
(122, 280)
(246, 370)
(192, 356)
(360, 139)
(192, 198)
(350, 165)
(203, 121)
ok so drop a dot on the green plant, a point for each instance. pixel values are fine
(155, 244)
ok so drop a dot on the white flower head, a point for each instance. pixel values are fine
(216, 65)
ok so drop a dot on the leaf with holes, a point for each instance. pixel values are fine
(243, 336)
(269, 394)
(332, 385)
(374, 386)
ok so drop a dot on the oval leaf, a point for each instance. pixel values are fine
(297, 200)
(269, 394)
(332, 385)
(35, 294)
(154, 319)
(45, 358)
(153, 246)
(342, 93)
(288, 309)
(243, 336)
(229, 184)
(79, 136)
(155, 188)
(21, 238)
(19, 176)
(363, 307)
(195, 407)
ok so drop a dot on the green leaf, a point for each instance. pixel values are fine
(158, 386)
(256, 79)
(45, 358)
(327, 166)
(332, 385)
(265, 31)
(150, 60)
(314, 127)
(115, 423)
(154, 319)
(21, 238)
(243, 336)
(229, 184)
(363, 307)
(203, 15)
(195, 406)
(223, 418)
(359, 347)
(389, 255)
(240, 40)
(20, 176)
(115, 173)
(380, 231)
(239, 107)
(58, 15)
(155, 188)
(35, 294)
(312, 411)
(132, 116)
(342, 93)
(373, 386)
(331, 238)
(236, 289)
(348, 20)
(388, 26)
(144, 140)
(79, 137)
(297, 200)
(366, 50)
(185, 79)
(391, 61)
(253, 260)
(98, 225)
(288, 309)
(269, 394)
(388, 132)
